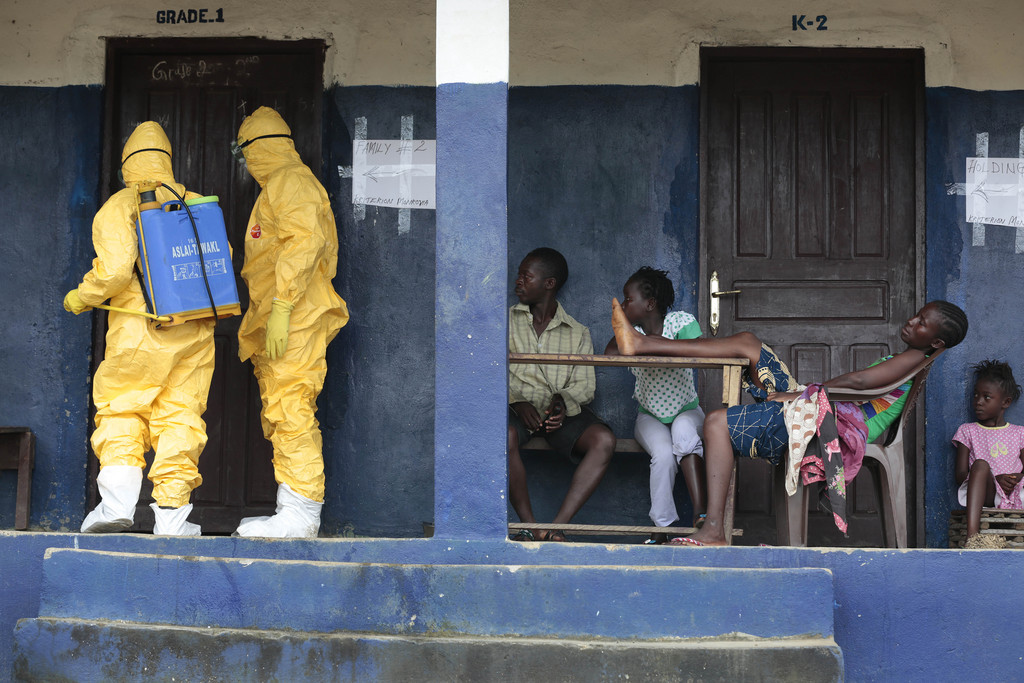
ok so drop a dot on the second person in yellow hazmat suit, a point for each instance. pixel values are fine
(291, 256)
(152, 386)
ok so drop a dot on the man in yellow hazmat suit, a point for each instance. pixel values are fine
(291, 256)
(152, 386)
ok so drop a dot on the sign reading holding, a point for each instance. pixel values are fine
(995, 191)
(395, 173)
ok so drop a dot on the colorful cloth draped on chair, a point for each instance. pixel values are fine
(827, 443)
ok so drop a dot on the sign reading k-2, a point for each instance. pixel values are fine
(802, 23)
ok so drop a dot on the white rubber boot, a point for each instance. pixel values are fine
(174, 521)
(119, 487)
(296, 517)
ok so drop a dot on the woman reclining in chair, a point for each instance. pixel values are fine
(760, 430)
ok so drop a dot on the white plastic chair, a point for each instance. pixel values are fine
(791, 511)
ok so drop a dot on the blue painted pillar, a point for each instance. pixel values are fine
(471, 394)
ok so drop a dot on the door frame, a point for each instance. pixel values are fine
(709, 55)
(117, 48)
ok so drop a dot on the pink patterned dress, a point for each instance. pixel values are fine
(1000, 447)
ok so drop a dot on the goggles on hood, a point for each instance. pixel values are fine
(236, 149)
(120, 172)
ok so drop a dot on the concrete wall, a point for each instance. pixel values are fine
(370, 42)
(49, 160)
(377, 407)
(980, 273)
(640, 178)
(969, 45)
(899, 615)
(581, 42)
(605, 172)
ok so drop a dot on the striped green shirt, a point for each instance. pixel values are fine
(538, 383)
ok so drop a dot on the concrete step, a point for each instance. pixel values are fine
(636, 603)
(86, 651)
(123, 616)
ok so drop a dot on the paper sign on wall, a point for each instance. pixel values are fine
(995, 191)
(395, 173)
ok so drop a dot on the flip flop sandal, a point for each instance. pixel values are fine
(656, 539)
(555, 536)
(699, 522)
(524, 535)
(683, 540)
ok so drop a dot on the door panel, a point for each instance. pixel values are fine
(810, 209)
(199, 91)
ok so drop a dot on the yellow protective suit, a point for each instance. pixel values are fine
(291, 254)
(152, 386)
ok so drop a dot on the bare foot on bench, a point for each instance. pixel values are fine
(626, 338)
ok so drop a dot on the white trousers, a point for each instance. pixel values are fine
(667, 445)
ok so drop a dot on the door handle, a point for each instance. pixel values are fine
(715, 294)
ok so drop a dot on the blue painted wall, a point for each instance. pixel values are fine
(607, 175)
(49, 172)
(984, 280)
(377, 407)
(610, 207)
(376, 410)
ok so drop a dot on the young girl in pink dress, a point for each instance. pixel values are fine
(990, 452)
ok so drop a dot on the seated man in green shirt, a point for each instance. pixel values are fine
(550, 401)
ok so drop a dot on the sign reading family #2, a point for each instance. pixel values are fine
(995, 191)
(395, 173)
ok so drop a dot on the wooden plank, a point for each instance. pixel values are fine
(610, 530)
(621, 445)
(602, 360)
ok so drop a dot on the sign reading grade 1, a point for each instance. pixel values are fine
(995, 191)
(189, 16)
(395, 173)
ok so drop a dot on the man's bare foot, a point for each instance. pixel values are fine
(626, 338)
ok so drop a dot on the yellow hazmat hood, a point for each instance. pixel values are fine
(138, 165)
(263, 157)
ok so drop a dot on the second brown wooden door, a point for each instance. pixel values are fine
(810, 209)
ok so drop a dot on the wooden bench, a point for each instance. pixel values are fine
(18, 452)
(731, 368)
(621, 446)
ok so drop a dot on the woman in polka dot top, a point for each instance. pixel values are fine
(669, 423)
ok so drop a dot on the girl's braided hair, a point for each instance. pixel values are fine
(954, 323)
(654, 284)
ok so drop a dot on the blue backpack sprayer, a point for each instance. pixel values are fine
(184, 258)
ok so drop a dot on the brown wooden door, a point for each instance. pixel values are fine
(810, 207)
(199, 91)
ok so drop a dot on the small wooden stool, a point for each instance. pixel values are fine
(1009, 524)
(18, 452)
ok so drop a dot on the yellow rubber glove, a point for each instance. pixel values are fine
(74, 304)
(277, 329)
